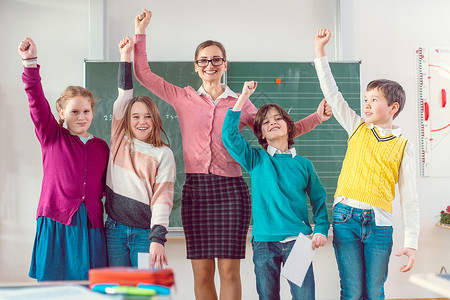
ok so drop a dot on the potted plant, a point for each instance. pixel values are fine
(445, 217)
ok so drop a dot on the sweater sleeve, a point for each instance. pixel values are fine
(125, 94)
(409, 200)
(306, 124)
(163, 189)
(125, 87)
(318, 196)
(46, 126)
(236, 144)
(346, 116)
(154, 83)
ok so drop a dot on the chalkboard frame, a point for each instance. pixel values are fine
(274, 78)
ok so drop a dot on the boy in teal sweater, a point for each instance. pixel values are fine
(280, 182)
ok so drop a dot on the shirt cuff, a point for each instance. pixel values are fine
(140, 37)
(158, 234)
(125, 78)
(320, 62)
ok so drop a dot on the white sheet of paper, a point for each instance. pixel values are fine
(299, 260)
(66, 292)
(143, 260)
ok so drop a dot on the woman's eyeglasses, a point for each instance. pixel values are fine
(218, 61)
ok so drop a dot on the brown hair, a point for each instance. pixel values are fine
(208, 43)
(391, 90)
(155, 134)
(70, 92)
(259, 119)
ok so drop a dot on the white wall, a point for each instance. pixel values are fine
(386, 34)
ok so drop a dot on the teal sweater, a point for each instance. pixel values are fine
(280, 184)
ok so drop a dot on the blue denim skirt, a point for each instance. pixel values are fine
(67, 252)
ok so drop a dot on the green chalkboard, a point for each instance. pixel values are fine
(294, 86)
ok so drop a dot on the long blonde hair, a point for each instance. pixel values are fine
(70, 92)
(155, 134)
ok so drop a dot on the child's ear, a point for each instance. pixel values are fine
(61, 114)
(394, 108)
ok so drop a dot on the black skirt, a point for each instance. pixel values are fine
(215, 211)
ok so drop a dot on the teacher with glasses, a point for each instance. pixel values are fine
(216, 205)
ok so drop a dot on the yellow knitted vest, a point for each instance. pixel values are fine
(370, 168)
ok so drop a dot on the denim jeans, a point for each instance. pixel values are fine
(362, 252)
(124, 242)
(268, 258)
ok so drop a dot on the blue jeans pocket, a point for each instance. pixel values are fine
(255, 245)
(340, 215)
(110, 223)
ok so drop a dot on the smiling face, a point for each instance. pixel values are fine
(210, 73)
(78, 115)
(377, 110)
(141, 122)
(274, 127)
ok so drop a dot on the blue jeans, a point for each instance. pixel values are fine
(362, 252)
(124, 242)
(268, 258)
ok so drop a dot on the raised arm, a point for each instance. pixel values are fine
(232, 139)
(307, 124)
(346, 116)
(247, 90)
(28, 51)
(154, 83)
(41, 115)
(124, 78)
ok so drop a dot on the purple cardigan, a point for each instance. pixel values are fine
(73, 171)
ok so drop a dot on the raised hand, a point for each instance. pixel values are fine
(322, 37)
(125, 47)
(27, 48)
(324, 111)
(248, 89)
(141, 22)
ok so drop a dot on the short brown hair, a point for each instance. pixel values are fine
(70, 92)
(259, 119)
(208, 43)
(391, 90)
(155, 134)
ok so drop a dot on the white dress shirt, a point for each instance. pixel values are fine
(227, 93)
(349, 120)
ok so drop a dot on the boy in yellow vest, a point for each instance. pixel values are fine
(377, 157)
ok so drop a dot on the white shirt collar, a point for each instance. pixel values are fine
(272, 151)
(227, 93)
(395, 130)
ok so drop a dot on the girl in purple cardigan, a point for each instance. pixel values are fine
(70, 237)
